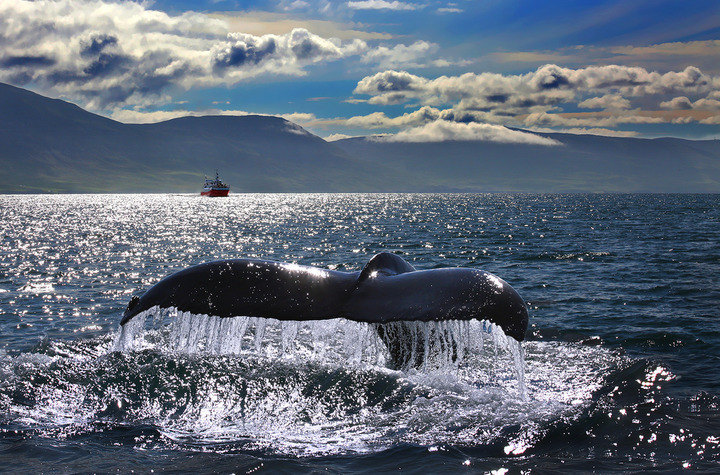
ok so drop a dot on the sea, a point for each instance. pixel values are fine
(620, 370)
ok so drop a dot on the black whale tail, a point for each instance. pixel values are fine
(387, 290)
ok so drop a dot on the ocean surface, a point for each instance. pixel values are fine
(621, 363)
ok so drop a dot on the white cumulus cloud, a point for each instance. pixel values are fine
(608, 101)
(442, 130)
(382, 5)
(537, 98)
(711, 102)
(335, 137)
(132, 116)
(547, 86)
(414, 54)
(104, 54)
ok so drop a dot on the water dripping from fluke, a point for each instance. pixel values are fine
(428, 347)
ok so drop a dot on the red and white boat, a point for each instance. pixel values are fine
(215, 187)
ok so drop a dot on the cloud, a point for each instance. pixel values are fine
(105, 54)
(588, 119)
(297, 5)
(598, 123)
(300, 117)
(262, 23)
(12, 61)
(712, 120)
(537, 98)
(536, 57)
(442, 130)
(449, 10)
(697, 50)
(400, 55)
(608, 101)
(612, 118)
(702, 53)
(382, 5)
(378, 120)
(681, 102)
(245, 49)
(545, 86)
(711, 102)
(589, 131)
(132, 116)
(335, 137)
(277, 53)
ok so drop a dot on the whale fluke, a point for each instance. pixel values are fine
(386, 290)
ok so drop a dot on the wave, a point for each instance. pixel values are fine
(297, 399)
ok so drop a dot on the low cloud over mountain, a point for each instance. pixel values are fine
(53, 146)
(444, 131)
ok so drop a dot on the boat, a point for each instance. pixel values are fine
(215, 187)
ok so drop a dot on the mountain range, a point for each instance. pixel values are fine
(49, 145)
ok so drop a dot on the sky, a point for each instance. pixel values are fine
(413, 70)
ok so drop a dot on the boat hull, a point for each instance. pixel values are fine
(215, 193)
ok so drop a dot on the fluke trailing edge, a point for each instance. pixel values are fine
(388, 289)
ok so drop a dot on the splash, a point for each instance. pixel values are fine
(442, 346)
(299, 388)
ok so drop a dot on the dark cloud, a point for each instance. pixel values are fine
(119, 54)
(107, 64)
(500, 98)
(139, 84)
(26, 61)
(387, 81)
(537, 98)
(306, 49)
(18, 77)
(243, 53)
(98, 44)
(539, 91)
(63, 76)
(553, 81)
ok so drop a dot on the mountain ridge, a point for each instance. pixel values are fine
(49, 145)
(56, 146)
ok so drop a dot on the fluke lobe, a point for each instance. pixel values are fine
(387, 289)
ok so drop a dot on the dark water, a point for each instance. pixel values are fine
(622, 361)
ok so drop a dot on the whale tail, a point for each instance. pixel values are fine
(134, 301)
(388, 292)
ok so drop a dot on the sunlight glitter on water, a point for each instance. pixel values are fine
(620, 362)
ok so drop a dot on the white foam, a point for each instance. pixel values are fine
(37, 288)
(286, 397)
(443, 345)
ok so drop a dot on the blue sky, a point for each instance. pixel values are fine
(358, 67)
